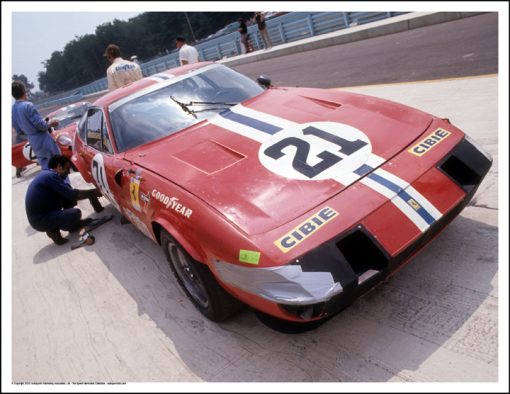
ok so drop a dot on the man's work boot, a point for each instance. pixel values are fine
(94, 201)
(19, 170)
(56, 237)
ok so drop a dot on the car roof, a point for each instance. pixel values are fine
(120, 93)
(66, 108)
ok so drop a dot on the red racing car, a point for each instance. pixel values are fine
(294, 201)
(68, 117)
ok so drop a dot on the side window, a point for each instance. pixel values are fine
(107, 146)
(97, 135)
(82, 127)
(94, 126)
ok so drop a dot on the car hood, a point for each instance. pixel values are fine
(275, 157)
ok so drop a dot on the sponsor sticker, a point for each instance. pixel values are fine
(249, 256)
(134, 192)
(305, 229)
(412, 202)
(429, 142)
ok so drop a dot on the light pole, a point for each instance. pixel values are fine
(191, 29)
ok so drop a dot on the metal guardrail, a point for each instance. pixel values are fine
(283, 29)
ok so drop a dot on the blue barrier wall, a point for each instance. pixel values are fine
(286, 28)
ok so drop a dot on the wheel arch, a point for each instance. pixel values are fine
(194, 250)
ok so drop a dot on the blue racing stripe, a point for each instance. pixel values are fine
(404, 196)
(363, 170)
(254, 123)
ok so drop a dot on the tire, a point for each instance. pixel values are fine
(198, 282)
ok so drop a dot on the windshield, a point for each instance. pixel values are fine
(158, 114)
(72, 115)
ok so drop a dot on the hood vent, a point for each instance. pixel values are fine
(323, 103)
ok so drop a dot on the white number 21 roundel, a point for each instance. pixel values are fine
(315, 151)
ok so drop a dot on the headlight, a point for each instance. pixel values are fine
(286, 284)
(63, 139)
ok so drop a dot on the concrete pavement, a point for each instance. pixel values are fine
(112, 312)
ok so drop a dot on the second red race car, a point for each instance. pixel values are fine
(68, 117)
(294, 201)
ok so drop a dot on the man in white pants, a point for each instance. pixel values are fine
(187, 53)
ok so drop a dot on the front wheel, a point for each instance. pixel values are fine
(198, 282)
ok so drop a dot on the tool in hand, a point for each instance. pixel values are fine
(86, 238)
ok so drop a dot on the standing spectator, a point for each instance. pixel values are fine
(121, 72)
(187, 53)
(243, 31)
(27, 120)
(261, 23)
(18, 138)
(50, 200)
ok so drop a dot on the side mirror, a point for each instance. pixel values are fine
(264, 81)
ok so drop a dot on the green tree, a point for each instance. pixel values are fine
(147, 35)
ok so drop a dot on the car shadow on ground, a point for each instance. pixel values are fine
(426, 309)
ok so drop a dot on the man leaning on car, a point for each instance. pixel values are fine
(121, 72)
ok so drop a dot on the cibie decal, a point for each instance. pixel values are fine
(429, 142)
(172, 203)
(315, 151)
(28, 152)
(305, 229)
(99, 175)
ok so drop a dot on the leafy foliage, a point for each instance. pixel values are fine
(24, 79)
(147, 35)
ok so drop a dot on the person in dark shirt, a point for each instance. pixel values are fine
(261, 23)
(245, 39)
(50, 201)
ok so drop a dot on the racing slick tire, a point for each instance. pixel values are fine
(198, 282)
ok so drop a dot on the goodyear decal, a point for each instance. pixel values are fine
(172, 203)
(134, 192)
(305, 229)
(429, 142)
(249, 256)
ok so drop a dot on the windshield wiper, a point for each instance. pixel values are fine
(210, 103)
(184, 107)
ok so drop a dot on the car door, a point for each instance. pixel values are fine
(100, 161)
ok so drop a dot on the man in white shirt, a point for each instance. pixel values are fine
(187, 53)
(121, 72)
